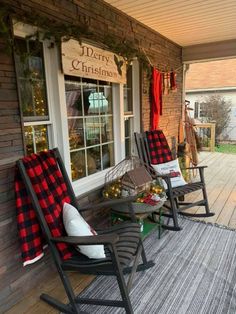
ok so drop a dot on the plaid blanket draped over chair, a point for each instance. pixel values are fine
(52, 193)
(158, 147)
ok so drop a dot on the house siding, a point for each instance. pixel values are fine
(211, 75)
(211, 78)
(16, 280)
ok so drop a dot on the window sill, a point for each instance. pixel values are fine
(90, 183)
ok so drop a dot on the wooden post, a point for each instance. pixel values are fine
(210, 126)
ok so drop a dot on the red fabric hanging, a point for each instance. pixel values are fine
(156, 104)
(173, 85)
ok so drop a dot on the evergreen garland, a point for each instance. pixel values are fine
(65, 31)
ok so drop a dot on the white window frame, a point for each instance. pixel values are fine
(135, 114)
(58, 122)
(23, 30)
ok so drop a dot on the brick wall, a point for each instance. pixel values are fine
(15, 280)
(10, 149)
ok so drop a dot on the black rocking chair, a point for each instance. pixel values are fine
(123, 249)
(175, 206)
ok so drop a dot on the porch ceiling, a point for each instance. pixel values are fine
(186, 22)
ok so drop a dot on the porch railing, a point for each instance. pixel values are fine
(206, 133)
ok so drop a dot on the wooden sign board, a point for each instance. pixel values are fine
(85, 60)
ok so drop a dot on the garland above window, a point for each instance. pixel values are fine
(65, 31)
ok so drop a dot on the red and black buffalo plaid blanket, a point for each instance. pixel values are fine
(51, 191)
(158, 147)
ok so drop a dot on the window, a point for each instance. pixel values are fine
(90, 126)
(32, 94)
(196, 110)
(202, 110)
(234, 111)
(90, 121)
(199, 110)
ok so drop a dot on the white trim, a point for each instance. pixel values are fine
(136, 103)
(60, 116)
(23, 30)
(89, 183)
(118, 121)
(38, 122)
(49, 63)
(184, 71)
(136, 95)
(126, 116)
(213, 89)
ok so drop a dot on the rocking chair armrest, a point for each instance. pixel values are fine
(159, 175)
(111, 238)
(109, 203)
(164, 176)
(197, 167)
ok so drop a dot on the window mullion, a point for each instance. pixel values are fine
(60, 119)
(136, 95)
(118, 121)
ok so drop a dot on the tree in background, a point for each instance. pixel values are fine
(216, 108)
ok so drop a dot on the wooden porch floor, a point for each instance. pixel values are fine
(220, 177)
(221, 187)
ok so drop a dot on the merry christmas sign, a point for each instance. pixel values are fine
(85, 60)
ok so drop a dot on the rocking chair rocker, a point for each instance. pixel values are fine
(175, 207)
(43, 181)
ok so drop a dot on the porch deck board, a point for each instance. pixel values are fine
(53, 286)
(221, 186)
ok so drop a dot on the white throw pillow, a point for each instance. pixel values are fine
(75, 225)
(171, 167)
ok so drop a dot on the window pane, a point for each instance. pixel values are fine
(73, 99)
(22, 64)
(107, 129)
(92, 128)
(127, 147)
(93, 160)
(31, 79)
(78, 166)
(128, 110)
(196, 107)
(105, 92)
(26, 99)
(128, 102)
(76, 133)
(90, 123)
(36, 138)
(127, 127)
(128, 135)
(39, 97)
(36, 67)
(202, 112)
(90, 99)
(107, 156)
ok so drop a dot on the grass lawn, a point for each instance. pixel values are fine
(226, 148)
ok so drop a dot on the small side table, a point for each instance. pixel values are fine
(121, 213)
